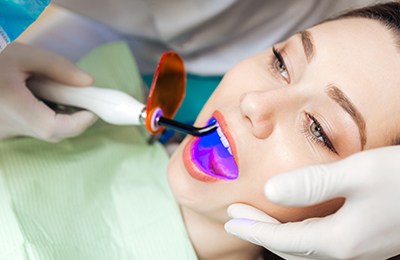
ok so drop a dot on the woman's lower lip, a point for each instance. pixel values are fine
(191, 167)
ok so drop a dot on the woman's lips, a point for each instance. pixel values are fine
(192, 168)
(211, 158)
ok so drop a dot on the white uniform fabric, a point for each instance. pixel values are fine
(211, 35)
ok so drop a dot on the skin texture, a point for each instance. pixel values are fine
(268, 116)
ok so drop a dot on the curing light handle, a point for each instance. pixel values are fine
(113, 106)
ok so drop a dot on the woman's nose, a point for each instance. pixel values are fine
(260, 109)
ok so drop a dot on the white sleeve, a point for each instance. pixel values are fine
(211, 35)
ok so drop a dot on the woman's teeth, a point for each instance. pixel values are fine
(223, 139)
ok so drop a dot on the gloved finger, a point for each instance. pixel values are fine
(71, 125)
(239, 210)
(232, 228)
(43, 123)
(299, 238)
(310, 185)
(243, 211)
(46, 124)
(55, 67)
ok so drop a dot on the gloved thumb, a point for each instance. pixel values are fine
(72, 125)
(243, 211)
(54, 127)
(255, 226)
(310, 185)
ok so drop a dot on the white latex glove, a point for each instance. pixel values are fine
(366, 227)
(20, 112)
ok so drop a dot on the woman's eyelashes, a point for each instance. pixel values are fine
(278, 65)
(314, 131)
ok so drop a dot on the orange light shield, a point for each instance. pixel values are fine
(167, 90)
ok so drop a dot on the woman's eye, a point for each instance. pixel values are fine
(314, 130)
(279, 65)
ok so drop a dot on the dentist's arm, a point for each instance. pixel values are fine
(366, 227)
(20, 112)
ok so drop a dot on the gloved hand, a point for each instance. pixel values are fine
(20, 112)
(366, 227)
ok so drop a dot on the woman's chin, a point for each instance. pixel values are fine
(176, 175)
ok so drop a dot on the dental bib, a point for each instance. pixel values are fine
(102, 195)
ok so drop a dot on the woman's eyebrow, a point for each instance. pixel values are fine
(308, 44)
(339, 97)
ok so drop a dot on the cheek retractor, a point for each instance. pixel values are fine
(115, 107)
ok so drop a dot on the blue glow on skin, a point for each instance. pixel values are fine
(213, 158)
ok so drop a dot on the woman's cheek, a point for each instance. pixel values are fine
(255, 197)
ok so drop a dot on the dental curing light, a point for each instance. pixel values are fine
(115, 107)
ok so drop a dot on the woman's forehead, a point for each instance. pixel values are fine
(358, 50)
(355, 34)
(362, 55)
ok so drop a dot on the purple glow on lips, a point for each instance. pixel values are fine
(213, 158)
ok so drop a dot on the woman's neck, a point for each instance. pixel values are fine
(211, 241)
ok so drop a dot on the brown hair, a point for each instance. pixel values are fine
(386, 13)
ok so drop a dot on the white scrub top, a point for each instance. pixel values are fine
(211, 35)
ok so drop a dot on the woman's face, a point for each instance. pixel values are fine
(320, 96)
